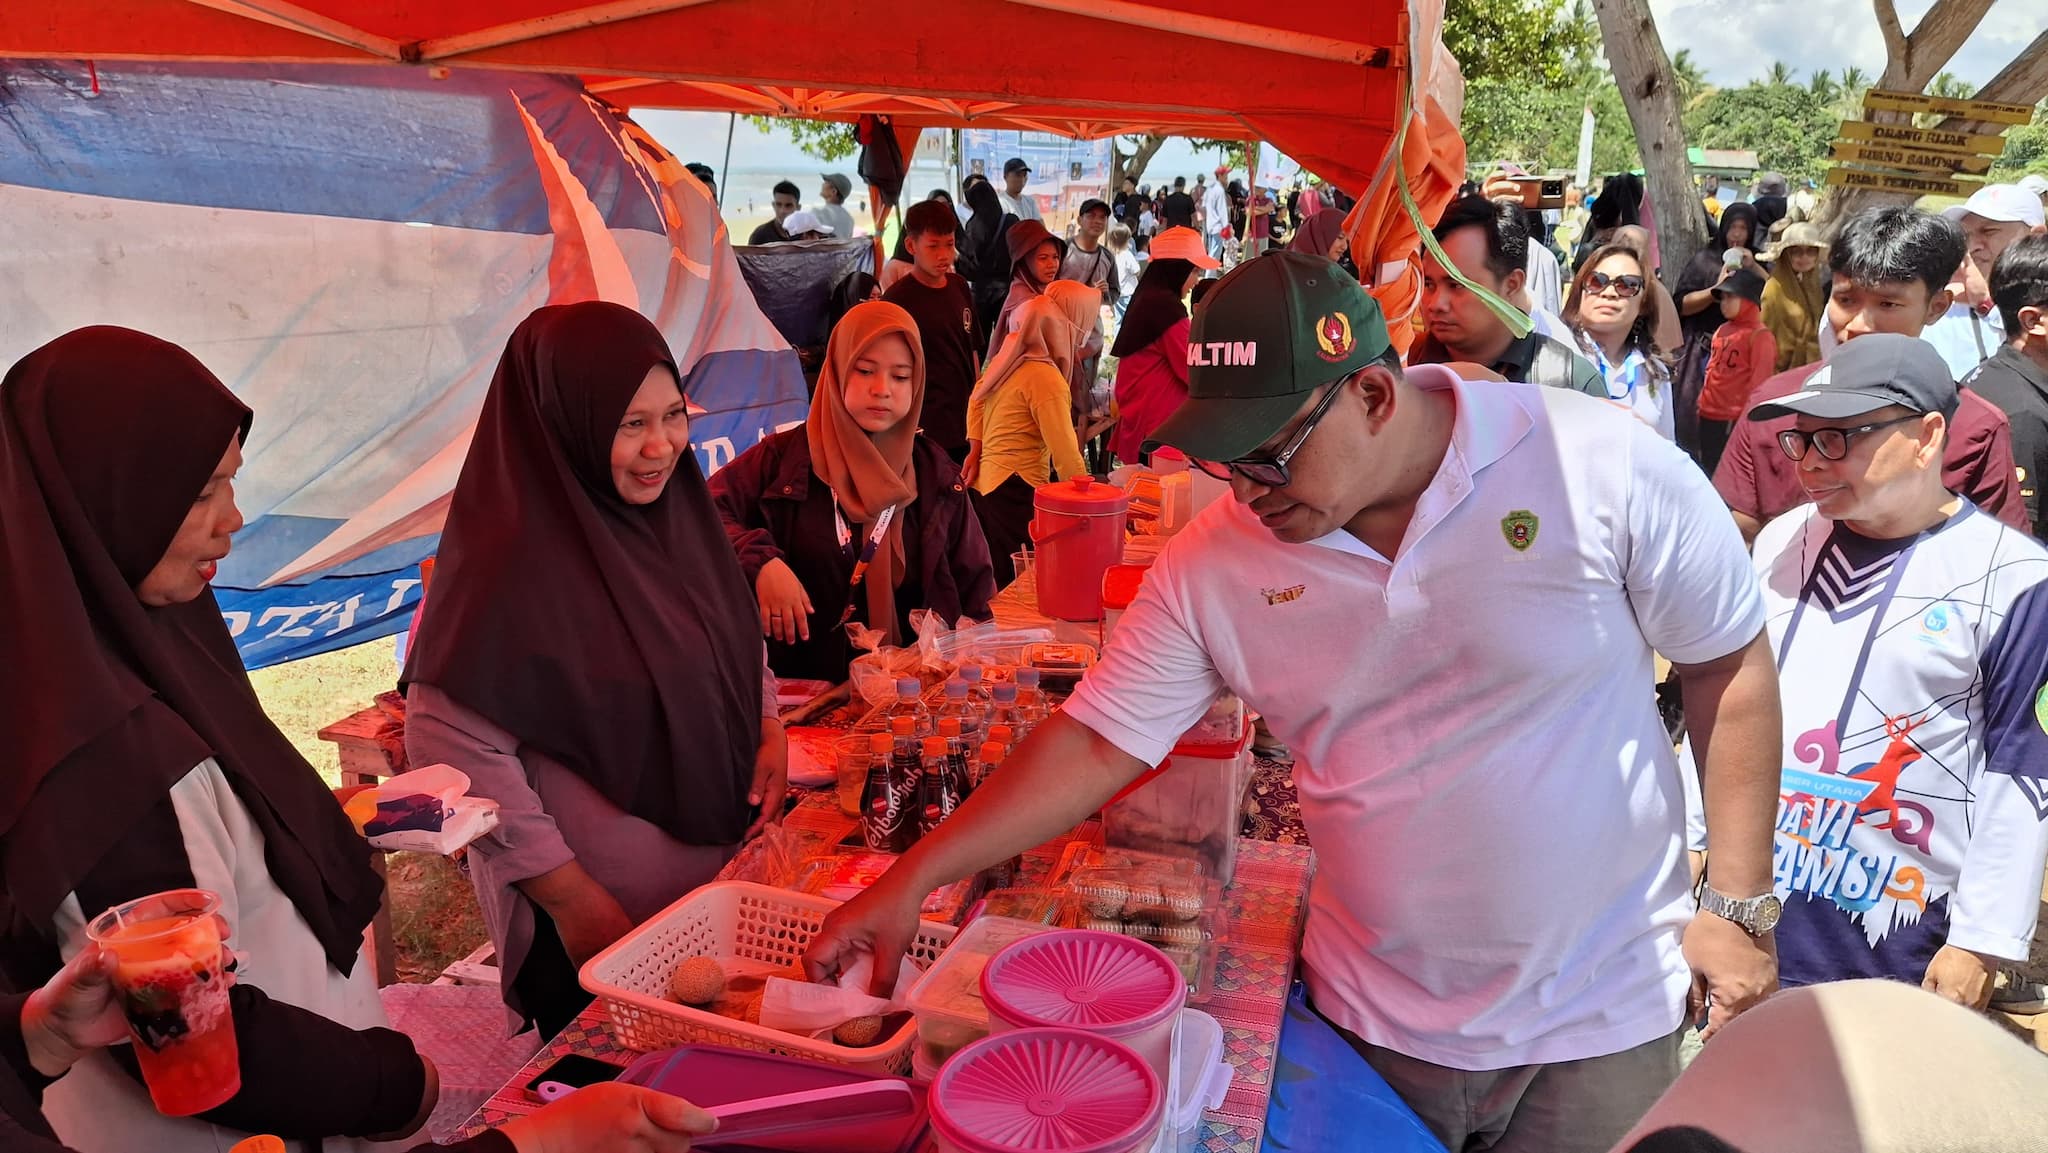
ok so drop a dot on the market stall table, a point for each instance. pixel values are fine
(1255, 968)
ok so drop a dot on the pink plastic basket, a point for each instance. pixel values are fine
(1046, 1091)
(1107, 984)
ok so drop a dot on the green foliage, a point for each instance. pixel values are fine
(1788, 125)
(1529, 42)
(824, 139)
(2026, 148)
(1539, 127)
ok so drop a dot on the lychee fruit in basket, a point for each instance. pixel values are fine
(697, 981)
(859, 1033)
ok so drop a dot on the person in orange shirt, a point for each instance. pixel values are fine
(1744, 356)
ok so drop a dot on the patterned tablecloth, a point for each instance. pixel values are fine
(1266, 903)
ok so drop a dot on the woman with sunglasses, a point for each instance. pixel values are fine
(1614, 318)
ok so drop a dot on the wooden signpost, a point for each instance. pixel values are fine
(1902, 158)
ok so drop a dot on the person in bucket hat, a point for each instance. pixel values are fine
(1446, 596)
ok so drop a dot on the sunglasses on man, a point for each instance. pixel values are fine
(1831, 443)
(1272, 471)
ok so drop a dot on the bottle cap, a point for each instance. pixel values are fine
(908, 686)
(992, 752)
(1002, 733)
(935, 746)
(956, 689)
(882, 743)
(902, 726)
(971, 674)
(1006, 693)
(261, 1143)
(949, 726)
(1028, 677)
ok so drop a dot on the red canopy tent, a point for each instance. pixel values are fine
(1334, 96)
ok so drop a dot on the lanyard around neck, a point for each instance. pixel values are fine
(867, 554)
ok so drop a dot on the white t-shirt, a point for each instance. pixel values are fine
(1023, 207)
(1547, 323)
(1546, 280)
(1913, 810)
(1216, 210)
(1964, 338)
(1481, 764)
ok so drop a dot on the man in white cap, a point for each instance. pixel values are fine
(1910, 631)
(1993, 218)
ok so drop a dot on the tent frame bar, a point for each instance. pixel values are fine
(540, 27)
(279, 14)
(1221, 30)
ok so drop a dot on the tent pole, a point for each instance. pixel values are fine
(732, 120)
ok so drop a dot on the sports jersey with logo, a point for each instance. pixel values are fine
(1915, 785)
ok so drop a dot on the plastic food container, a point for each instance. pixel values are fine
(711, 1075)
(1201, 1077)
(1111, 985)
(947, 999)
(1193, 803)
(1078, 530)
(1046, 1091)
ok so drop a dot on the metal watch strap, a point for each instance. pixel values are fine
(1747, 913)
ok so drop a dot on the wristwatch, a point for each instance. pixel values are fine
(1755, 915)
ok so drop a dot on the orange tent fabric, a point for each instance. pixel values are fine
(1328, 89)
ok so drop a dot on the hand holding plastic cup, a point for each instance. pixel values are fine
(169, 971)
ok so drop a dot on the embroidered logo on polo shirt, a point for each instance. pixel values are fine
(1519, 527)
(1334, 340)
(1283, 596)
(2041, 709)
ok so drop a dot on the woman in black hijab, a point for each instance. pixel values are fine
(135, 758)
(590, 655)
(985, 252)
(1699, 313)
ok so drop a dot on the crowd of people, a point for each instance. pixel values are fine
(1444, 581)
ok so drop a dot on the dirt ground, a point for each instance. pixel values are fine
(434, 917)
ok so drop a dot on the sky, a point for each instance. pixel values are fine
(1736, 42)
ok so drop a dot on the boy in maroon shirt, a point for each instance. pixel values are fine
(1891, 269)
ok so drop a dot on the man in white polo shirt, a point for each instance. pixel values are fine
(1444, 597)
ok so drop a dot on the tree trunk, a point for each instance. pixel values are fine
(1650, 92)
(1131, 165)
(1911, 63)
(2024, 81)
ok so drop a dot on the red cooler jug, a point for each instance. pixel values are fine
(1078, 530)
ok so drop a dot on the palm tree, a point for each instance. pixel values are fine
(1691, 79)
(1855, 82)
(1780, 74)
(1952, 87)
(1823, 87)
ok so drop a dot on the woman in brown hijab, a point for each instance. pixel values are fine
(134, 756)
(802, 507)
(588, 655)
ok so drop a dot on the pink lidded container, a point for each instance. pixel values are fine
(1113, 986)
(1046, 1091)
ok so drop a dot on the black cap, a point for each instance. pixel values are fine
(1274, 330)
(1743, 283)
(1015, 164)
(1092, 204)
(1869, 373)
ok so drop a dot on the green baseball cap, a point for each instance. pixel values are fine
(1274, 330)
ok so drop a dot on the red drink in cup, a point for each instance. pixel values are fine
(169, 956)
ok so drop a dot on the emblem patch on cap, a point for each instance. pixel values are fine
(1334, 340)
(1519, 527)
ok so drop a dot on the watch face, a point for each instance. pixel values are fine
(1768, 911)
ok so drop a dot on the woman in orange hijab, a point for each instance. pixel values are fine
(856, 516)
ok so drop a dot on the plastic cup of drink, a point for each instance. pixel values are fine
(168, 972)
(1022, 562)
(852, 756)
